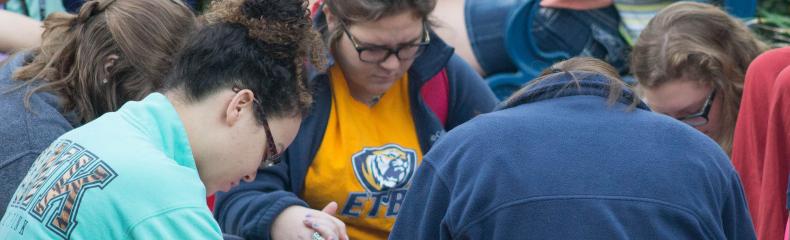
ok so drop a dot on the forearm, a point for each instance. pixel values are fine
(251, 214)
(18, 32)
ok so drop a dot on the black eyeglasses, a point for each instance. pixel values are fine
(379, 54)
(700, 118)
(273, 157)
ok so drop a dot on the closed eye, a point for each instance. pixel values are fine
(689, 111)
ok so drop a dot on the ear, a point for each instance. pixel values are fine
(241, 105)
(330, 17)
(109, 62)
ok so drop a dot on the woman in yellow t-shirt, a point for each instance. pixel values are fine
(393, 88)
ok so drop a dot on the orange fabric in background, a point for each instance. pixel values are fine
(761, 147)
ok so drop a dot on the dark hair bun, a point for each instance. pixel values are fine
(275, 10)
(283, 26)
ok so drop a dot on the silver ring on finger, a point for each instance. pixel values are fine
(317, 236)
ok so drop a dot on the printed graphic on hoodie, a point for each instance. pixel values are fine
(384, 172)
(53, 188)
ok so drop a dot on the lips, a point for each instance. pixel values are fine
(384, 76)
(382, 79)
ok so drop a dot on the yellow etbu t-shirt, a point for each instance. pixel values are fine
(366, 160)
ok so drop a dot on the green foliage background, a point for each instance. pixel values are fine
(776, 6)
(773, 22)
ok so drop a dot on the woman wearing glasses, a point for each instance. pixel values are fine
(233, 97)
(690, 61)
(393, 89)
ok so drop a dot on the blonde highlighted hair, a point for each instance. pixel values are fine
(144, 34)
(579, 68)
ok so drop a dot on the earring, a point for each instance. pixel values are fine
(104, 81)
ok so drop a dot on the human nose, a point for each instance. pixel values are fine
(391, 63)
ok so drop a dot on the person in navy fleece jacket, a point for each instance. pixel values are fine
(575, 155)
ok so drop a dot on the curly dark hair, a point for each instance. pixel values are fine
(261, 45)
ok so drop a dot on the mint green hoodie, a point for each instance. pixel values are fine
(126, 175)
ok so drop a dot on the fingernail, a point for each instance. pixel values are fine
(308, 215)
(315, 225)
(334, 238)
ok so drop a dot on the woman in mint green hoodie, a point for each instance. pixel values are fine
(232, 103)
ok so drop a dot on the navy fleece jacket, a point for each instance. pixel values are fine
(561, 163)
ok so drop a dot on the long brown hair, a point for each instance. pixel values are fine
(144, 34)
(701, 42)
(356, 11)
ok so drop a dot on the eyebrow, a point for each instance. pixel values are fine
(370, 45)
(674, 114)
